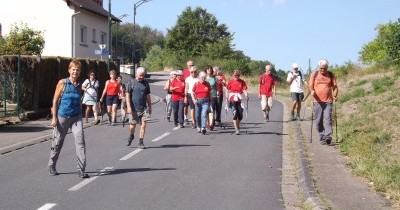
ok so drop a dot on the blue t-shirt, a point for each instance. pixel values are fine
(139, 91)
(70, 102)
(213, 83)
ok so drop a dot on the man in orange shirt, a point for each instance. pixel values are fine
(324, 89)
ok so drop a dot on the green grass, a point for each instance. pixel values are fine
(357, 93)
(383, 84)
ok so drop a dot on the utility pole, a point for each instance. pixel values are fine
(135, 6)
(109, 36)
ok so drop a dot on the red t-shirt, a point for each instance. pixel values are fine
(267, 84)
(220, 85)
(178, 94)
(112, 88)
(185, 74)
(202, 90)
(236, 86)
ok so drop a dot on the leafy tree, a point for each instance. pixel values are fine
(385, 47)
(198, 32)
(22, 40)
(154, 59)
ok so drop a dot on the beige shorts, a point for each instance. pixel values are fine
(266, 103)
(139, 117)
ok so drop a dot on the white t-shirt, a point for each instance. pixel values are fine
(190, 81)
(297, 84)
(91, 87)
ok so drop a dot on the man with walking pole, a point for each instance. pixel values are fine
(323, 88)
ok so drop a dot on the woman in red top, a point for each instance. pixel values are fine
(201, 96)
(111, 89)
(221, 83)
(177, 88)
(235, 88)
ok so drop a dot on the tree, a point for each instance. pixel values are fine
(197, 33)
(22, 40)
(385, 47)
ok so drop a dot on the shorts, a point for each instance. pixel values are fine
(266, 103)
(297, 96)
(139, 117)
(190, 101)
(237, 110)
(111, 100)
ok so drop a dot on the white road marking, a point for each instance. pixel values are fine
(161, 137)
(91, 179)
(126, 157)
(176, 128)
(47, 206)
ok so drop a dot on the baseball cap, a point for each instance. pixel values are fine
(178, 72)
(295, 65)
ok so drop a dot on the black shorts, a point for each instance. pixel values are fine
(297, 96)
(110, 100)
(190, 101)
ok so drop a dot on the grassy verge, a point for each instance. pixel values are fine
(368, 120)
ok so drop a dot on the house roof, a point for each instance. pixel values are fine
(90, 6)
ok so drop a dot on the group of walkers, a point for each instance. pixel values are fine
(200, 94)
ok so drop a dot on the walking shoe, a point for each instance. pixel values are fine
(169, 119)
(82, 174)
(298, 116)
(96, 121)
(141, 145)
(203, 131)
(328, 140)
(212, 128)
(53, 171)
(182, 126)
(293, 117)
(237, 132)
(130, 139)
(199, 130)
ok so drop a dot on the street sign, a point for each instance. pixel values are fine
(99, 52)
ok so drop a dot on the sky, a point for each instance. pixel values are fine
(280, 31)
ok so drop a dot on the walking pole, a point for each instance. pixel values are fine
(337, 140)
(247, 113)
(312, 121)
(226, 115)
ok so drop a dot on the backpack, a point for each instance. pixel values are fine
(301, 75)
(330, 74)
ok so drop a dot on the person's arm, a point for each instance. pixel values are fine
(291, 78)
(148, 98)
(84, 85)
(128, 102)
(193, 94)
(166, 86)
(335, 90)
(311, 86)
(56, 98)
(259, 87)
(104, 91)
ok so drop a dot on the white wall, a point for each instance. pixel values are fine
(53, 17)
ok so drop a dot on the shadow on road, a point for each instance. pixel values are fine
(22, 129)
(133, 170)
(179, 145)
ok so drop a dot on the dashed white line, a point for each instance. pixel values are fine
(91, 179)
(47, 206)
(126, 157)
(161, 137)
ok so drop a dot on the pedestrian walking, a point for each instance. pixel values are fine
(221, 83)
(266, 91)
(67, 114)
(90, 87)
(168, 106)
(323, 88)
(296, 81)
(111, 90)
(138, 103)
(212, 80)
(177, 88)
(201, 95)
(235, 88)
(121, 99)
(190, 81)
(185, 74)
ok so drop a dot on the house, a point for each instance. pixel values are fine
(71, 28)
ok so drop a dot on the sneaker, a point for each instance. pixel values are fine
(169, 119)
(237, 132)
(96, 121)
(53, 171)
(199, 130)
(141, 145)
(82, 174)
(203, 131)
(182, 126)
(267, 117)
(130, 139)
(298, 116)
(113, 124)
(293, 117)
(212, 128)
(328, 140)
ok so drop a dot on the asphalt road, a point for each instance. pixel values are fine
(180, 169)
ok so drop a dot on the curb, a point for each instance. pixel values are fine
(305, 178)
(40, 139)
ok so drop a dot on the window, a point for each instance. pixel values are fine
(94, 35)
(83, 34)
(103, 38)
